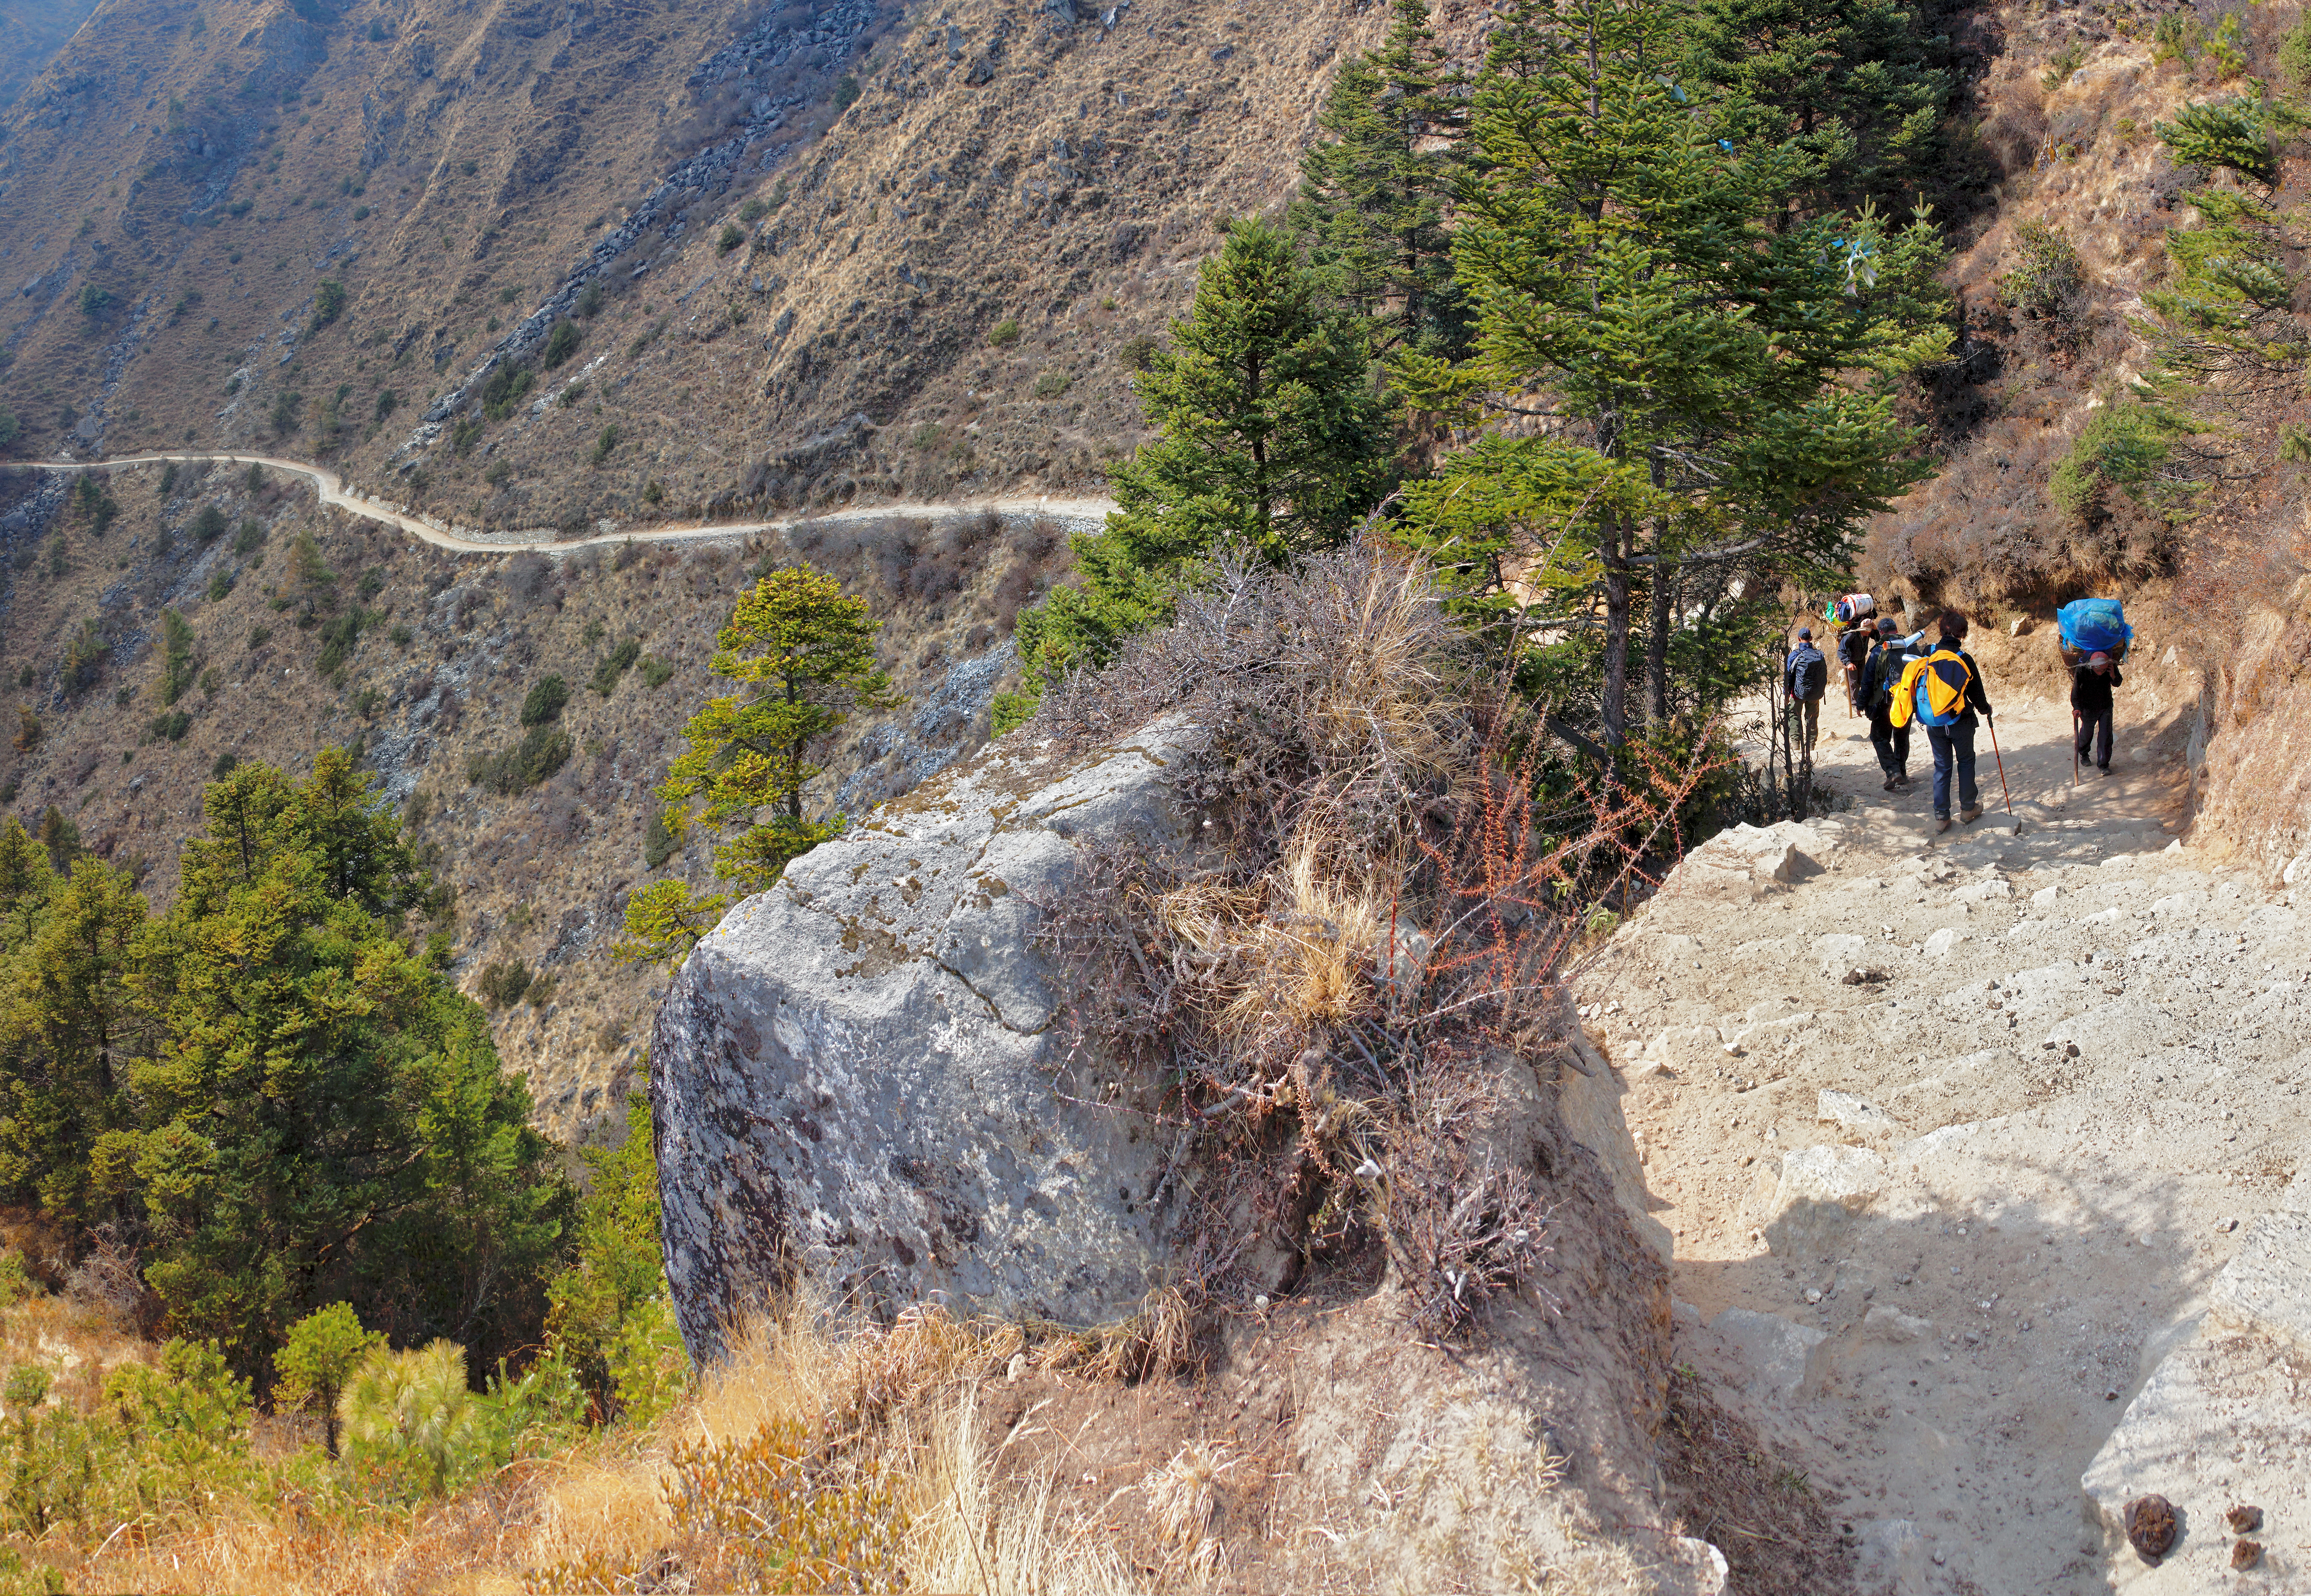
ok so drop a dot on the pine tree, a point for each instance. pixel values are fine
(1271, 438)
(68, 1028)
(322, 1115)
(1669, 347)
(804, 652)
(1863, 87)
(1373, 193)
(2229, 349)
(317, 1361)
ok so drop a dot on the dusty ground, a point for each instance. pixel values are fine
(2079, 1083)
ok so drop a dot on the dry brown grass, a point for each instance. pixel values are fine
(903, 1398)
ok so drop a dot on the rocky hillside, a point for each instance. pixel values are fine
(31, 31)
(805, 252)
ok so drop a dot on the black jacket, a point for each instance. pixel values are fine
(2090, 693)
(1880, 673)
(1976, 699)
(1808, 673)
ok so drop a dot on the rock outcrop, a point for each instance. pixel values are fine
(857, 1074)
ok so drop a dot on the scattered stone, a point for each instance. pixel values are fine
(2045, 895)
(2265, 1287)
(1937, 946)
(1978, 891)
(2245, 1519)
(2150, 1527)
(1864, 975)
(1776, 1351)
(1853, 1114)
(1821, 1190)
(2246, 1554)
(1888, 1324)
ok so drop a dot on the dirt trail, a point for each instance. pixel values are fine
(336, 495)
(1957, 1134)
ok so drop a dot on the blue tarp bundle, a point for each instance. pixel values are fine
(2094, 626)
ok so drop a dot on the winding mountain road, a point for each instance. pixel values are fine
(333, 494)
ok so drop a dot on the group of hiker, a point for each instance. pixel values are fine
(1896, 683)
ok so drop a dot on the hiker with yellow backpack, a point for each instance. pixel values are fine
(1943, 692)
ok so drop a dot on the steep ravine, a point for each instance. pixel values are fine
(1977, 1149)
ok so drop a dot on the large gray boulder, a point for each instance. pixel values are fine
(857, 1076)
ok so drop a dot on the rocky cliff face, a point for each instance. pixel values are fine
(856, 1075)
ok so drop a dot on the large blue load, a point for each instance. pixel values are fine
(2093, 626)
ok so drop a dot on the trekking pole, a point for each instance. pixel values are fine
(2074, 746)
(2002, 764)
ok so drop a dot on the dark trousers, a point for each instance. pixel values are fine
(1953, 744)
(1805, 718)
(1891, 741)
(2094, 731)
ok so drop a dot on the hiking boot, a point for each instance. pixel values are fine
(1941, 822)
(2104, 768)
(1891, 781)
(1969, 816)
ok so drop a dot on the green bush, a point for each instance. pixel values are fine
(729, 239)
(659, 841)
(208, 525)
(176, 658)
(11, 429)
(173, 726)
(1050, 384)
(846, 91)
(505, 388)
(502, 985)
(412, 1428)
(329, 302)
(656, 672)
(2230, 133)
(1136, 352)
(614, 664)
(250, 538)
(2294, 62)
(1006, 333)
(95, 301)
(537, 757)
(288, 406)
(561, 344)
(545, 701)
(607, 442)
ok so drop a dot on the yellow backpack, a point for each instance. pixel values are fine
(1933, 689)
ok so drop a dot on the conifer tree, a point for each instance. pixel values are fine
(2229, 349)
(1271, 438)
(1373, 193)
(1863, 87)
(804, 652)
(1675, 354)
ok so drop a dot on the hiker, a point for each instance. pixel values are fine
(1879, 675)
(1944, 690)
(1806, 678)
(2090, 702)
(1852, 651)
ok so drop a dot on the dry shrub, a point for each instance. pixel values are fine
(1335, 976)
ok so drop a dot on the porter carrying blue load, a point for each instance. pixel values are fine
(2089, 627)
